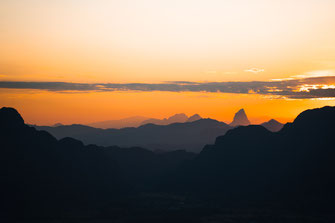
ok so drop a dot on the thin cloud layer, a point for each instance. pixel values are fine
(316, 87)
(254, 70)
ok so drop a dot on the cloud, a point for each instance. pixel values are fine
(254, 70)
(50, 86)
(316, 73)
(315, 87)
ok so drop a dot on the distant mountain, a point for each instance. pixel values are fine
(134, 121)
(273, 125)
(57, 124)
(193, 118)
(177, 118)
(240, 119)
(137, 121)
(294, 166)
(189, 136)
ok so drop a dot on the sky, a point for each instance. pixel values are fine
(81, 61)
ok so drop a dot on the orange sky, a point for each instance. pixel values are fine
(41, 107)
(153, 41)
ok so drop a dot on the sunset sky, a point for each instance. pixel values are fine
(81, 61)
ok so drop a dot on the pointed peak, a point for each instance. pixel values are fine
(273, 121)
(241, 111)
(273, 125)
(240, 118)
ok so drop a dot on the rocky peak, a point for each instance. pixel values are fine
(240, 118)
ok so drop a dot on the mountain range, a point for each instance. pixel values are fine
(183, 132)
(42, 176)
(190, 136)
(134, 121)
(285, 173)
(249, 163)
(137, 121)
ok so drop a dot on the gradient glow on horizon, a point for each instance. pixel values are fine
(151, 41)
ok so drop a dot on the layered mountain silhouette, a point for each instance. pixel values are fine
(177, 118)
(294, 166)
(42, 176)
(190, 136)
(240, 118)
(137, 121)
(134, 121)
(292, 170)
(194, 118)
(273, 125)
(186, 133)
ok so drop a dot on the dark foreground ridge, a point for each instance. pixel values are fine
(249, 175)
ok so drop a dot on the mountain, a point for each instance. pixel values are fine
(273, 125)
(177, 118)
(189, 136)
(137, 121)
(249, 174)
(134, 121)
(193, 118)
(240, 119)
(57, 124)
(293, 167)
(38, 170)
(43, 177)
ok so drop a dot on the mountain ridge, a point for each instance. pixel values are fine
(133, 121)
(273, 125)
(190, 136)
(46, 178)
(248, 167)
(252, 163)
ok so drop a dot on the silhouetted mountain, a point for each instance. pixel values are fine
(121, 123)
(177, 118)
(240, 119)
(194, 118)
(189, 136)
(272, 176)
(273, 125)
(57, 124)
(36, 168)
(43, 177)
(294, 167)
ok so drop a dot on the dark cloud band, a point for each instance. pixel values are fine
(317, 87)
